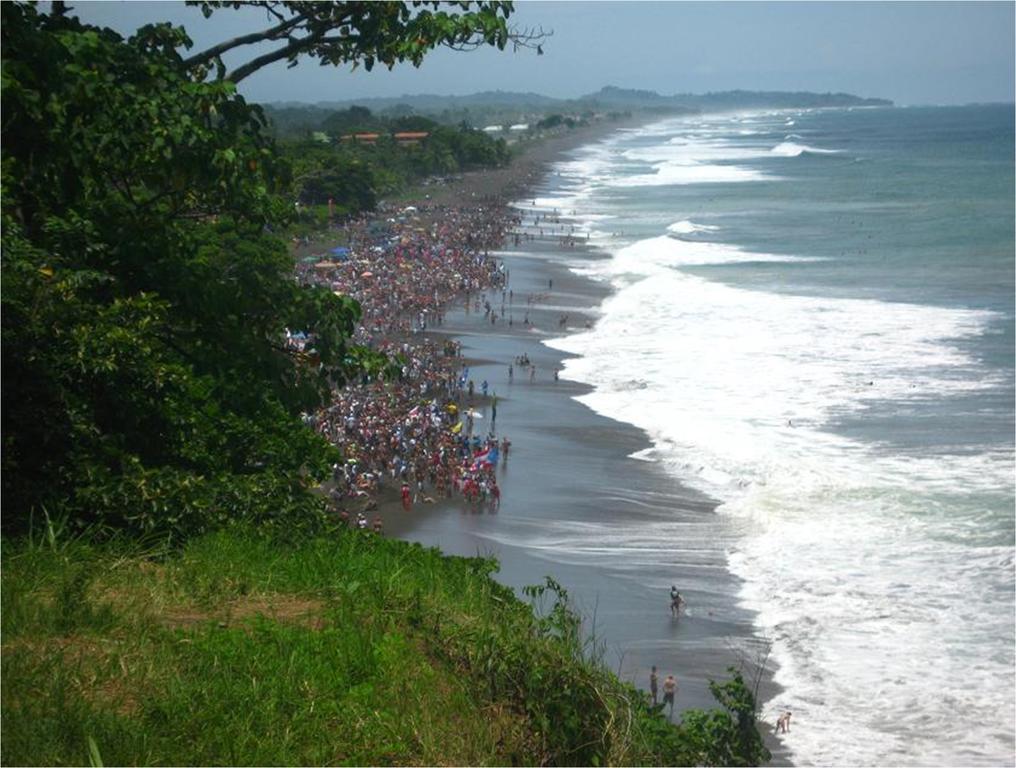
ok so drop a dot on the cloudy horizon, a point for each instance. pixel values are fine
(911, 53)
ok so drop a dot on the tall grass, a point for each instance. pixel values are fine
(347, 650)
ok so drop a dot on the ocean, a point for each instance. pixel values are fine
(812, 318)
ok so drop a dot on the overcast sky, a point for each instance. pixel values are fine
(911, 52)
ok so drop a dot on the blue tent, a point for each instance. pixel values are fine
(342, 252)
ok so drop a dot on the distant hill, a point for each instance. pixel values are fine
(431, 102)
(611, 94)
(607, 97)
(509, 107)
(617, 97)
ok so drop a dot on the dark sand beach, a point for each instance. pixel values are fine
(571, 490)
(615, 531)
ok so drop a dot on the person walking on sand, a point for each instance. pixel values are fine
(669, 690)
(676, 601)
(406, 497)
(653, 680)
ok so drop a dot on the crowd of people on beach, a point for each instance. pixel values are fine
(417, 433)
(405, 267)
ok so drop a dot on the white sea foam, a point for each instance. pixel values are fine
(668, 174)
(657, 256)
(844, 546)
(685, 227)
(792, 149)
(881, 577)
(684, 153)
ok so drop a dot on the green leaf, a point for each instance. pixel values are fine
(94, 758)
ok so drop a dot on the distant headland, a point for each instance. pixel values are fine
(612, 97)
(506, 108)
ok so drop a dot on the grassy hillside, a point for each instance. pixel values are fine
(352, 649)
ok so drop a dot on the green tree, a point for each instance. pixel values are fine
(145, 301)
(366, 33)
(727, 736)
(352, 120)
(348, 182)
(550, 121)
(414, 123)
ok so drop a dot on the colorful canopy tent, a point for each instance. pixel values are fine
(342, 252)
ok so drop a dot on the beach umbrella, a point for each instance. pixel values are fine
(366, 274)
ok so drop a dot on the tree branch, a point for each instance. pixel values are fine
(254, 65)
(272, 33)
(272, 12)
(523, 39)
(365, 36)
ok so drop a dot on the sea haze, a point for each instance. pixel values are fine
(812, 319)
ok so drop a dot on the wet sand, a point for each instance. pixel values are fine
(615, 531)
(577, 507)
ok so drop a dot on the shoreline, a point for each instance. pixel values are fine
(562, 544)
(571, 470)
(506, 185)
(539, 261)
